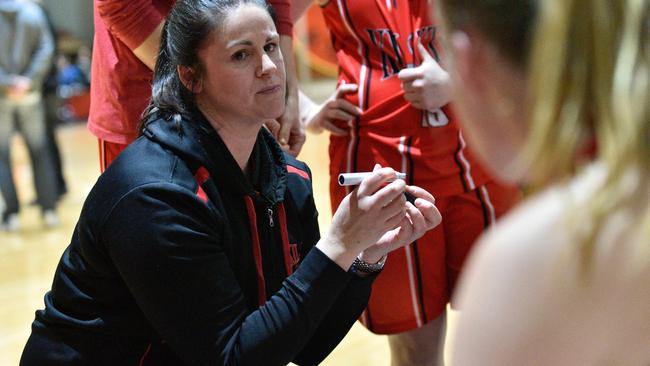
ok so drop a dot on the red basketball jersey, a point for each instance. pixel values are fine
(374, 40)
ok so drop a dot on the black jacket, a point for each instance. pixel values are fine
(174, 252)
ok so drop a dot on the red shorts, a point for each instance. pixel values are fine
(108, 151)
(418, 280)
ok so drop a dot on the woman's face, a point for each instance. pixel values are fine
(490, 94)
(242, 77)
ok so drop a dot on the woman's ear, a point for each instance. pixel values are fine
(463, 58)
(475, 60)
(190, 78)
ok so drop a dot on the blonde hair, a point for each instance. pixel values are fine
(590, 80)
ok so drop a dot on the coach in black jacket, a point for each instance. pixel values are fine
(199, 245)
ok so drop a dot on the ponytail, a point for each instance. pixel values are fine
(590, 80)
(168, 94)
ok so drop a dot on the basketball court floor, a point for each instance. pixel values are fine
(29, 257)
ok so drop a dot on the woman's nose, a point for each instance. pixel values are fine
(267, 65)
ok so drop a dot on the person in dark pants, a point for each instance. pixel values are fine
(26, 49)
(199, 245)
(51, 118)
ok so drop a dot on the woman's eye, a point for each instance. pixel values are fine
(240, 56)
(270, 47)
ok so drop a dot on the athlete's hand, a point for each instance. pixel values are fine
(426, 86)
(334, 108)
(421, 216)
(288, 129)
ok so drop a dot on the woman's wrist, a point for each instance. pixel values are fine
(337, 252)
(371, 256)
(309, 121)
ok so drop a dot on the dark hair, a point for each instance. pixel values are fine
(188, 25)
(509, 24)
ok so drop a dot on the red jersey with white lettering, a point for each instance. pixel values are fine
(374, 40)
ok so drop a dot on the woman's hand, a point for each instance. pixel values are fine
(421, 216)
(426, 86)
(322, 117)
(365, 216)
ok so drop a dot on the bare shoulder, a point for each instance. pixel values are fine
(524, 300)
(504, 293)
(527, 238)
(525, 245)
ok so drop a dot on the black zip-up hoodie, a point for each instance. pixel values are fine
(179, 259)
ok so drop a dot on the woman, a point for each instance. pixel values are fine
(392, 107)
(564, 279)
(196, 246)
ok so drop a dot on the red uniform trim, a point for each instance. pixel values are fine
(108, 151)
(286, 250)
(145, 354)
(201, 194)
(294, 170)
(257, 251)
(201, 176)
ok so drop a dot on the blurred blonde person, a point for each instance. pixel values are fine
(557, 94)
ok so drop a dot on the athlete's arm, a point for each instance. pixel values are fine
(291, 135)
(287, 129)
(137, 23)
(299, 7)
(148, 50)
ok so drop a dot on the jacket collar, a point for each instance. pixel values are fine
(195, 141)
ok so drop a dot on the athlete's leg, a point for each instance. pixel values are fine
(7, 185)
(422, 346)
(423, 342)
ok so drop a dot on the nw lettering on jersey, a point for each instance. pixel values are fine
(393, 58)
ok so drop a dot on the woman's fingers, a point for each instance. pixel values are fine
(417, 221)
(418, 192)
(333, 129)
(348, 107)
(426, 204)
(337, 114)
(374, 181)
(430, 212)
(396, 208)
(378, 195)
(410, 74)
(345, 89)
(273, 126)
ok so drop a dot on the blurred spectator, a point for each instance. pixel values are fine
(69, 77)
(26, 48)
(51, 103)
(84, 60)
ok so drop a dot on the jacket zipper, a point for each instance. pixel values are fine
(269, 211)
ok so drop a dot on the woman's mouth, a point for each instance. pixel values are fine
(269, 89)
